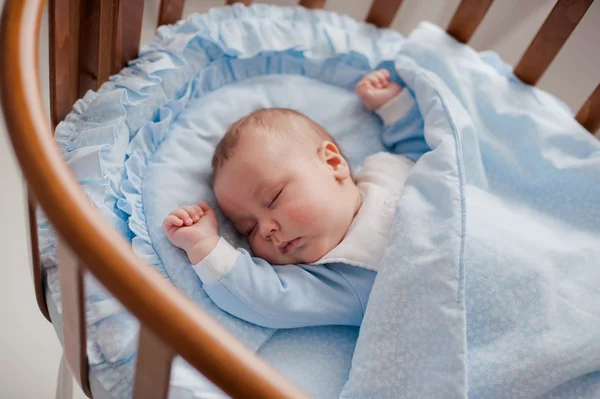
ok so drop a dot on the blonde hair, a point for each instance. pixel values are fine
(281, 121)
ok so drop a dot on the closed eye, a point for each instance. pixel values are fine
(249, 232)
(275, 199)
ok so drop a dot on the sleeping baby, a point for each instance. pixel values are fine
(317, 231)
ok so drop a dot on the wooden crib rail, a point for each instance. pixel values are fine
(589, 114)
(73, 314)
(553, 34)
(82, 56)
(383, 12)
(161, 309)
(467, 18)
(170, 11)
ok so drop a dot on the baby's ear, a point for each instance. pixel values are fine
(331, 155)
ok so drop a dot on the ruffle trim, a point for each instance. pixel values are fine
(238, 43)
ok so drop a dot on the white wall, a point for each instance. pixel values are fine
(29, 349)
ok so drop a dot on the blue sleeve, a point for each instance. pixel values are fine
(290, 296)
(403, 126)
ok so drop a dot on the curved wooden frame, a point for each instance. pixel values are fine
(160, 307)
(170, 323)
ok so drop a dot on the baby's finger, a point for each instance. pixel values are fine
(372, 79)
(204, 206)
(199, 210)
(180, 213)
(192, 212)
(172, 220)
(373, 83)
(379, 81)
(183, 215)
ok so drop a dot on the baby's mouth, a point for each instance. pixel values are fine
(289, 246)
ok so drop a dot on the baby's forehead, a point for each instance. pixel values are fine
(285, 130)
(264, 136)
(259, 157)
(262, 152)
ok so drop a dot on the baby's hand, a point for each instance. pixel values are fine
(190, 225)
(376, 88)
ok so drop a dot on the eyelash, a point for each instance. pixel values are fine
(270, 204)
(275, 199)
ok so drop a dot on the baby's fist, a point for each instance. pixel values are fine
(190, 225)
(376, 88)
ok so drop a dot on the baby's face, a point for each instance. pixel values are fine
(289, 199)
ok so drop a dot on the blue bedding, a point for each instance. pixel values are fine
(489, 286)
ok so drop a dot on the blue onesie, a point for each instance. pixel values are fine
(328, 292)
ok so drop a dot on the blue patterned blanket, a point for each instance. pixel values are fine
(490, 287)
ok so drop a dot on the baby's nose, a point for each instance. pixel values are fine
(268, 229)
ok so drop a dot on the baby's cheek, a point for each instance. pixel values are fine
(305, 215)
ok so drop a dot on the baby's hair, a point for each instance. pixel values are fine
(275, 121)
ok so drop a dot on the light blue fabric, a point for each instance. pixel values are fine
(291, 296)
(142, 145)
(490, 287)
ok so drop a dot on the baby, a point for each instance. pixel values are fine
(284, 183)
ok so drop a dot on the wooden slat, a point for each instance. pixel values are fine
(36, 266)
(170, 11)
(553, 34)
(589, 114)
(63, 25)
(382, 12)
(88, 46)
(467, 18)
(312, 4)
(153, 367)
(73, 314)
(130, 14)
(231, 2)
(107, 37)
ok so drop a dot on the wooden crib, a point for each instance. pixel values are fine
(89, 41)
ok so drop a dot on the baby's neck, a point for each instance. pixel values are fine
(357, 203)
(355, 200)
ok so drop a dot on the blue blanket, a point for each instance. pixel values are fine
(490, 287)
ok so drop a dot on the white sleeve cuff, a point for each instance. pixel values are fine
(217, 263)
(396, 108)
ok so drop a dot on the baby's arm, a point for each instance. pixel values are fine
(402, 121)
(379, 94)
(194, 229)
(270, 296)
(284, 296)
